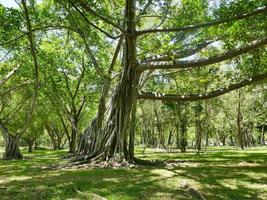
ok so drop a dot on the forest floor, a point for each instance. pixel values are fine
(219, 173)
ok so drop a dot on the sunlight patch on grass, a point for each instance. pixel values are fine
(229, 183)
(163, 172)
(6, 179)
(114, 180)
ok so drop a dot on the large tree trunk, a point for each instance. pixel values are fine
(12, 150)
(113, 139)
(72, 142)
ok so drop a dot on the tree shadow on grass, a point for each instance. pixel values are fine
(218, 175)
(220, 156)
(109, 183)
(228, 182)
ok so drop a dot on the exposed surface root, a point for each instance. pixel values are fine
(149, 162)
(192, 192)
(98, 164)
(75, 163)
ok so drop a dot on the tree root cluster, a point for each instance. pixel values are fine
(115, 163)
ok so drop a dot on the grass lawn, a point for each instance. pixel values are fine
(219, 173)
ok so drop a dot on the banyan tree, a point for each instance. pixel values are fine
(153, 38)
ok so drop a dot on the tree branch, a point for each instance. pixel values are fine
(9, 75)
(103, 18)
(195, 97)
(81, 108)
(92, 24)
(79, 80)
(36, 67)
(181, 54)
(38, 29)
(206, 61)
(116, 53)
(12, 113)
(60, 116)
(2, 93)
(5, 56)
(257, 11)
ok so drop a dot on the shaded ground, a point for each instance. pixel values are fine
(219, 173)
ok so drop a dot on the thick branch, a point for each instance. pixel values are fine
(181, 54)
(116, 53)
(206, 61)
(81, 108)
(195, 97)
(79, 80)
(36, 67)
(208, 24)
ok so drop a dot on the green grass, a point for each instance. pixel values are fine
(219, 173)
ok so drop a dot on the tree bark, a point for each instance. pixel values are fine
(12, 150)
(182, 127)
(73, 138)
(30, 145)
(198, 127)
(262, 135)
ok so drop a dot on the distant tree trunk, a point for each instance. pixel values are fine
(177, 136)
(170, 138)
(198, 128)
(206, 120)
(262, 135)
(30, 145)
(239, 122)
(207, 139)
(182, 126)
(161, 138)
(55, 135)
(36, 144)
(223, 139)
(232, 143)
